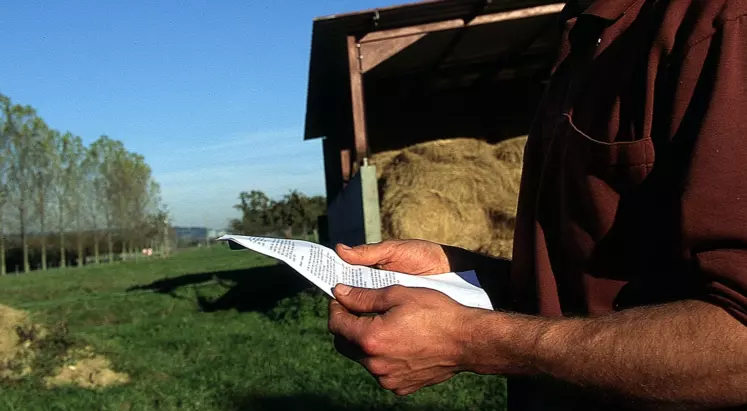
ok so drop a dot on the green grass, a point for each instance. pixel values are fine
(190, 343)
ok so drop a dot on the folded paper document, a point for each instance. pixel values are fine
(325, 269)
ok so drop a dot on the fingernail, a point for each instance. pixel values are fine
(345, 247)
(343, 289)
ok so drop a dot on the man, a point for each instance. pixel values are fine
(628, 288)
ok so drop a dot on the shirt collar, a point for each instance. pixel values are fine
(610, 10)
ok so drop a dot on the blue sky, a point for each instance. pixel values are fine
(212, 93)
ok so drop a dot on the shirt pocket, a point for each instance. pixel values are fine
(621, 165)
(584, 181)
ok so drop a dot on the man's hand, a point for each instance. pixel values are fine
(420, 257)
(416, 257)
(415, 340)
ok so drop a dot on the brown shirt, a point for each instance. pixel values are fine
(635, 182)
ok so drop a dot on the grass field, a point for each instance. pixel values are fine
(254, 340)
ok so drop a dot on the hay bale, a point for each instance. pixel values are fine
(94, 372)
(16, 337)
(23, 345)
(511, 150)
(382, 161)
(460, 192)
(432, 216)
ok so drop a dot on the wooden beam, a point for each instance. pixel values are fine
(374, 53)
(346, 172)
(518, 14)
(459, 23)
(357, 99)
(412, 30)
(379, 46)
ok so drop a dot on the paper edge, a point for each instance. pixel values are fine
(233, 239)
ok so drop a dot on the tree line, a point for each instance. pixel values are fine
(295, 214)
(62, 202)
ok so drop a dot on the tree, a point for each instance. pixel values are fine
(256, 213)
(156, 227)
(125, 192)
(299, 213)
(102, 159)
(92, 201)
(157, 212)
(291, 211)
(139, 195)
(307, 210)
(294, 212)
(49, 179)
(23, 127)
(43, 158)
(3, 266)
(317, 207)
(70, 186)
(4, 159)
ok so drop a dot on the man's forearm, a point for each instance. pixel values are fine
(689, 354)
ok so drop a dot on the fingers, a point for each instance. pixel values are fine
(346, 325)
(408, 383)
(367, 255)
(417, 386)
(366, 300)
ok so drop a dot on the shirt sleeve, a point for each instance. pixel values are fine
(714, 191)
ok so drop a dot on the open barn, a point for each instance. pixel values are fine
(428, 85)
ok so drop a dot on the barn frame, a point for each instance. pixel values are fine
(387, 78)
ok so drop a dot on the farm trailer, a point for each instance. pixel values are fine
(388, 78)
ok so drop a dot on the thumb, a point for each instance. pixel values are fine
(366, 300)
(366, 255)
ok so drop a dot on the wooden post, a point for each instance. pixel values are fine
(357, 99)
(346, 162)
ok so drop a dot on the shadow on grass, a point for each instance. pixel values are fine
(257, 289)
(318, 402)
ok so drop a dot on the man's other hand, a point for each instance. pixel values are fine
(414, 341)
(416, 257)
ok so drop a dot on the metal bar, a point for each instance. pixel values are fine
(370, 203)
(357, 100)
